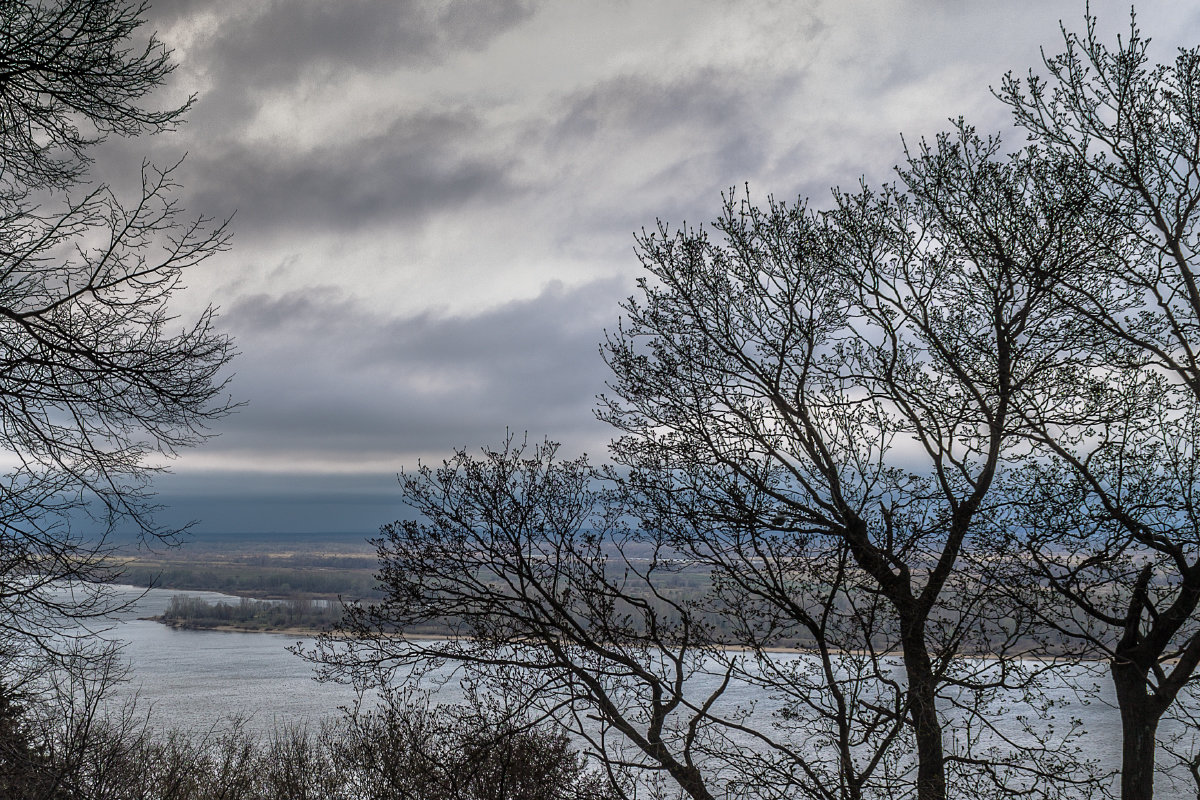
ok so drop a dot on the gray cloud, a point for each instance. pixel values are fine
(402, 152)
(699, 108)
(646, 105)
(625, 149)
(268, 43)
(328, 380)
(285, 40)
(433, 161)
(248, 54)
(412, 169)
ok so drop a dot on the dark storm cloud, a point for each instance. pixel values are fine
(412, 169)
(252, 53)
(239, 502)
(325, 377)
(273, 43)
(288, 38)
(422, 164)
(437, 160)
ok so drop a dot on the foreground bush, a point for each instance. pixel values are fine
(394, 752)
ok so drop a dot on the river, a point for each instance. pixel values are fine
(200, 680)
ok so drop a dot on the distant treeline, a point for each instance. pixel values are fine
(267, 581)
(257, 615)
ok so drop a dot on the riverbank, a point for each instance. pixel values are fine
(257, 566)
(306, 632)
(298, 629)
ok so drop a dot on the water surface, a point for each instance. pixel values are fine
(202, 679)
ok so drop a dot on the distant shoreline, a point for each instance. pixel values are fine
(293, 630)
(315, 632)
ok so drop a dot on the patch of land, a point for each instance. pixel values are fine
(263, 566)
(300, 616)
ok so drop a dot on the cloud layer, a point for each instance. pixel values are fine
(435, 202)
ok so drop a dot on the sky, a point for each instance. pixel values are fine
(434, 203)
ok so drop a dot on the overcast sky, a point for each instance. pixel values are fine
(435, 201)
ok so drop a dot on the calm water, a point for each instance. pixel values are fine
(201, 679)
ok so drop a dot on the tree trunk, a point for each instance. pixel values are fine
(1139, 727)
(922, 691)
(687, 777)
(691, 782)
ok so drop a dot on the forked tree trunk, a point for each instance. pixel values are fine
(691, 782)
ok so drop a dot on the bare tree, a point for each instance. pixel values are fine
(772, 384)
(405, 746)
(1117, 485)
(532, 587)
(71, 73)
(768, 384)
(1111, 532)
(830, 414)
(99, 381)
(546, 597)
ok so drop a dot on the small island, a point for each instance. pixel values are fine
(296, 615)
